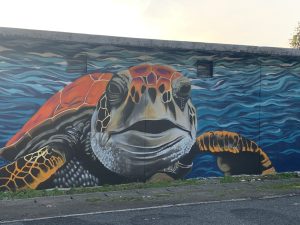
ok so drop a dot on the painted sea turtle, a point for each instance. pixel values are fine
(115, 128)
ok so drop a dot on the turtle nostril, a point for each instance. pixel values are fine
(132, 91)
(152, 94)
(161, 88)
(143, 89)
(137, 98)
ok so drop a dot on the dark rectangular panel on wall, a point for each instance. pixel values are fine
(204, 68)
(77, 63)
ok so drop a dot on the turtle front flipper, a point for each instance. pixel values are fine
(235, 154)
(30, 170)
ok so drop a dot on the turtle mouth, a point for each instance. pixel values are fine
(143, 148)
(151, 127)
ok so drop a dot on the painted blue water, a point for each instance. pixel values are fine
(256, 97)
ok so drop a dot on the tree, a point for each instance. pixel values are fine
(295, 41)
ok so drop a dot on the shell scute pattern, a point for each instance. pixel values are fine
(83, 92)
(156, 77)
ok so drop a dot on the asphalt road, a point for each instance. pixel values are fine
(275, 211)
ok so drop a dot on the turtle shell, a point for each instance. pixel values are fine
(83, 92)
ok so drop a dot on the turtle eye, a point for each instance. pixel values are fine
(181, 91)
(184, 90)
(117, 90)
(182, 87)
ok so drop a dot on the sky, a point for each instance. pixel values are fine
(246, 22)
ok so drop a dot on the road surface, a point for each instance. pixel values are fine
(277, 210)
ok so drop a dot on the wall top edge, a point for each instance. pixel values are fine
(146, 43)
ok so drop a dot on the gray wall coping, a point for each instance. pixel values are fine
(148, 43)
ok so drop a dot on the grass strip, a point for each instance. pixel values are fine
(25, 194)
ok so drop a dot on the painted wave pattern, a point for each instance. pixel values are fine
(258, 98)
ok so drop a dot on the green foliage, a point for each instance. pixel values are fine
(229, 179)
(295, 40)
(25, 194)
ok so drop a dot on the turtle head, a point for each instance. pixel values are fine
(144, 122)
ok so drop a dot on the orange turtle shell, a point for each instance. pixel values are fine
(83, 92)
(86, 91)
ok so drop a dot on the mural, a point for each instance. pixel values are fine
(137, 115)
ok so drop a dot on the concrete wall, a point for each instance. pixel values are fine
(81, 110)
